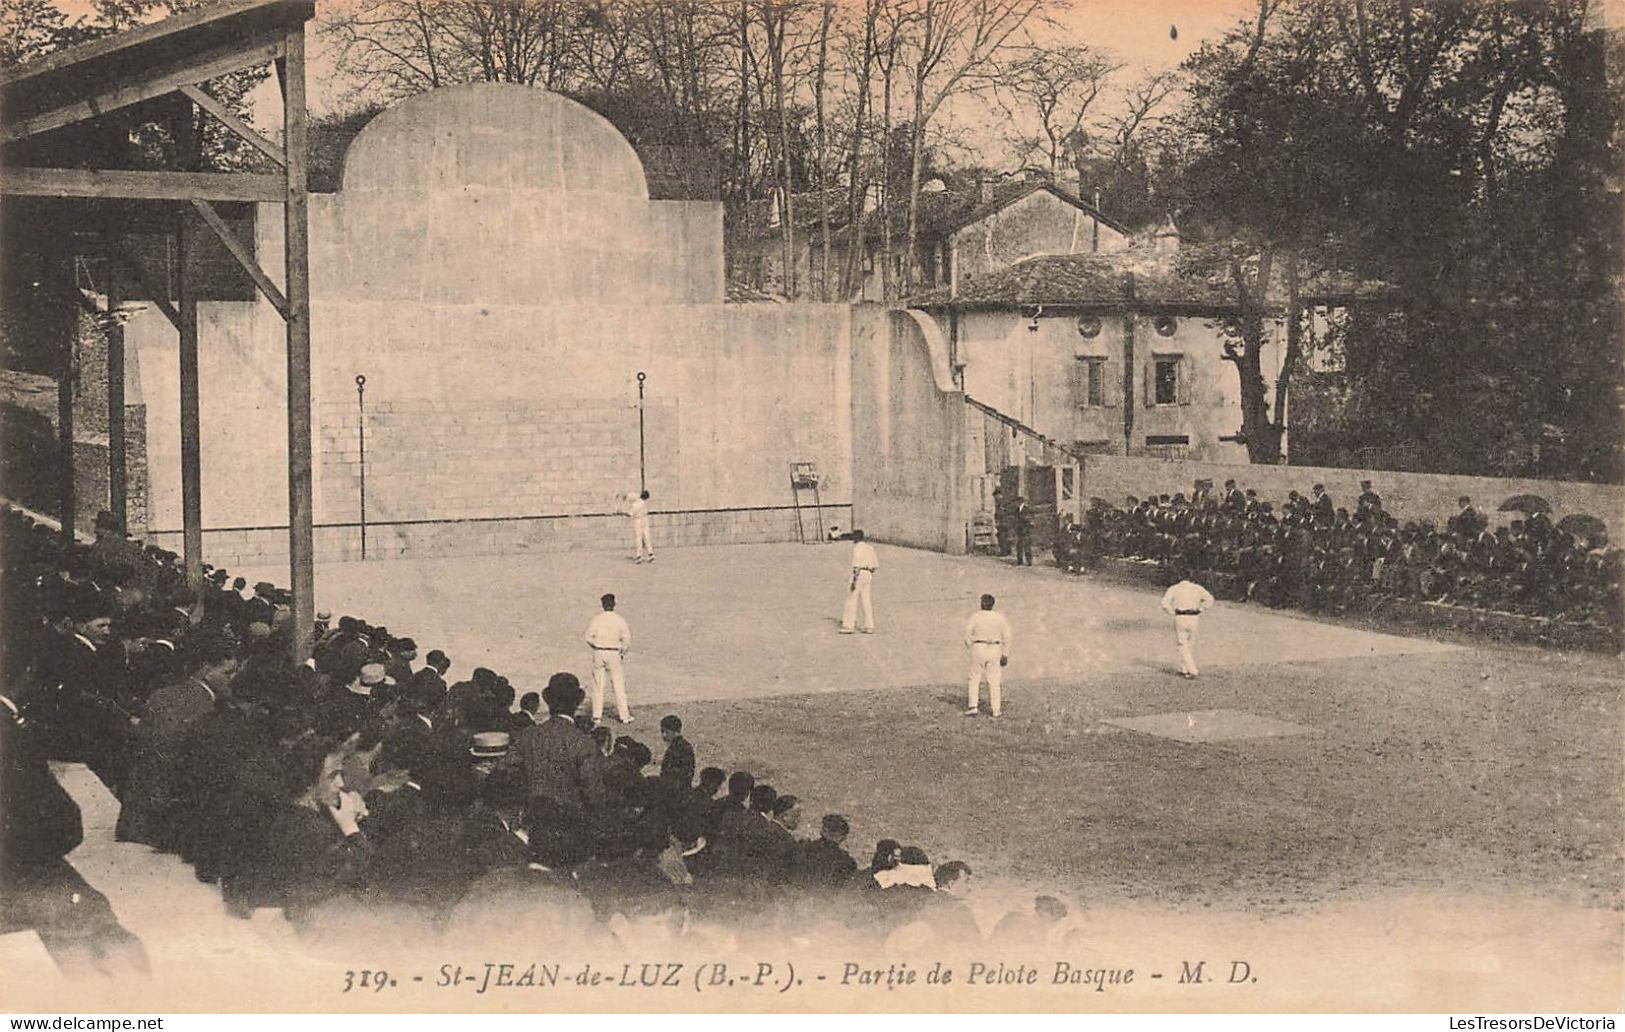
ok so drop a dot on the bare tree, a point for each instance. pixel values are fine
(898, 17)
(821, 77)
(953, 48)
(1140, 110)
(683, 49)
(519, 41)
(604, 50)
(764, 53)
(1058, 87)
(394, 48)
(861, 60)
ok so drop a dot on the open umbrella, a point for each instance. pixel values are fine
(1582, 525)
(1526, 503)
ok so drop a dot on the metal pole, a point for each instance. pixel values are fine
(642, 482)
(361, 432)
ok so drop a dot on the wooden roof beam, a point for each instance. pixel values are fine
(200, 68)
(142, 186)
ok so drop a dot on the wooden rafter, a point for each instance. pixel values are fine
(244, 256)
(190, 72)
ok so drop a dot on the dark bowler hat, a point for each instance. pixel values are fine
(563, 693)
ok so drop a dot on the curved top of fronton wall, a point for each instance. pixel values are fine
(495, 135)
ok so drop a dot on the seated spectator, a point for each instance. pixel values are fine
(887, 854)
(315, 848)
(823, 862)
(1016, 930)
(677, 765)
(530, 705)
(949, 915)
(749, 845)
(913, 869)
(150, 792)
(787, 813)
(347, 708)
(711, 780)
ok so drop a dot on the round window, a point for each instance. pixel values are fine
(1166, 325)
(1089, 326)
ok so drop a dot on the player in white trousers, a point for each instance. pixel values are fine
(1185, 602)
(864, 564)
(987, 636)
(639, 511)
(609, 637)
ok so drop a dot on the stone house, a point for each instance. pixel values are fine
(963, 234)
(1117, 353)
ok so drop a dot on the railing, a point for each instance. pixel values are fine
(1024, 430)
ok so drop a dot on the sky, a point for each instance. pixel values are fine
(1144, 36)
(1137, 31)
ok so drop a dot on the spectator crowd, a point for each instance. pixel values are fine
(1312, 554)
(368, 781)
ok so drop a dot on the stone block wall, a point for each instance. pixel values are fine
(29, 473)
(453, 460)
(254, 546)
(135, 468)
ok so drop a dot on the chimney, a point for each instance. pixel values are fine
(984, 188)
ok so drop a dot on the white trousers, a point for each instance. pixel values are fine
(859, 595)
(640, 538)
(1185, 635)
(984, 665)
(606, 665)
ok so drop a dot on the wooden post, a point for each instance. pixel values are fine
(117, 494)
(191, 440)
(301, 537)
(67, 372)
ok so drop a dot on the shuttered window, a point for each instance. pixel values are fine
(1169, 382)
(1089, 387)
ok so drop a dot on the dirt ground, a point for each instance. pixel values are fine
(1488, 770)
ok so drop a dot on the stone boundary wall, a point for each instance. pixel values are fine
(28, 471)
(520, 535)
(1408, 496)
(908, 431)
(135, 469)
